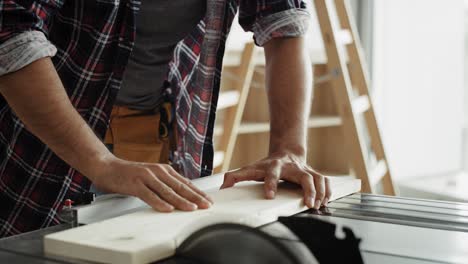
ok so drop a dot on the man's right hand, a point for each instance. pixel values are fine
(159, 185)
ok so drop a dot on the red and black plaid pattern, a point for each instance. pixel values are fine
(94, 39)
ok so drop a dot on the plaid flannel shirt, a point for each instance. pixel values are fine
(90, 42)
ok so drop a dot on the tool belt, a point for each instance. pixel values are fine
(141, 136)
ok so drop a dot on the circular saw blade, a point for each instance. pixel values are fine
(233, 244)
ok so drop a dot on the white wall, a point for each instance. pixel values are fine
(418, 80)
(465, 98)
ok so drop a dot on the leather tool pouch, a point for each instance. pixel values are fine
(135, 136)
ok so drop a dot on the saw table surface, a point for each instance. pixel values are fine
(146, 235)
(392, 229)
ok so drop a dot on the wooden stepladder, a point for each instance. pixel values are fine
(234, 114)
(348, 78)
(233, 103)
(349, 105)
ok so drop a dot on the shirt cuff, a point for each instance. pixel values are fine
(288, 23)
(23, 49)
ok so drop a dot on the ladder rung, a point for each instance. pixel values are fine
(327, 77)
(254, 127)
(229, 75)
(378, 172)
(233, 58)
(218, 130)
(344, 37)
(236, 78)
(260, 70)
(361, 104)
(323, 79)
(218, 159)
(314, 122)
(228, 99)
(261, 127)
(255, 84)
(324, 121)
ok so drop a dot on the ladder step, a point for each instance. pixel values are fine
(218, 130)
(314, 122)
(260, 70)
(344, 37)
(324, 121)
(228, 99)
(236, 78)
(378, 172)
(255, 84)
(218, 159)
(262, 127)
(254, 127)
(327, 77)
(361, 104)
(323, 79)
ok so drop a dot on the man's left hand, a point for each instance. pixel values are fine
(288, 167)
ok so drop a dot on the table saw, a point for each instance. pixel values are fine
(384, 229)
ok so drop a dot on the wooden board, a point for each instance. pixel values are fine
(146, 236)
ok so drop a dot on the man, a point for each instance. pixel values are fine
(62, 64)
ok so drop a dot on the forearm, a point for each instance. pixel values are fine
(288, 81)
(37, 96)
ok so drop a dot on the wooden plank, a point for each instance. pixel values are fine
(147, 236)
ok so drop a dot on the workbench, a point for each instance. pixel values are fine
(392, 229)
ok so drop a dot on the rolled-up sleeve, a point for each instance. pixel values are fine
(274, 19)
(24, 32)
(23, 49)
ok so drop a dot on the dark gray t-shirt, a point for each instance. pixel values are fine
(161, 24)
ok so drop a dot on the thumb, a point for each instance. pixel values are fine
(244, 174)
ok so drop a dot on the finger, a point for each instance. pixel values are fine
(149, 197)
(189, 183)
(245, 174)
(271, 179)
(319, 182)
(328, 191)
(308, 187)
(182, 188)
(168, 194)
(297, 175)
